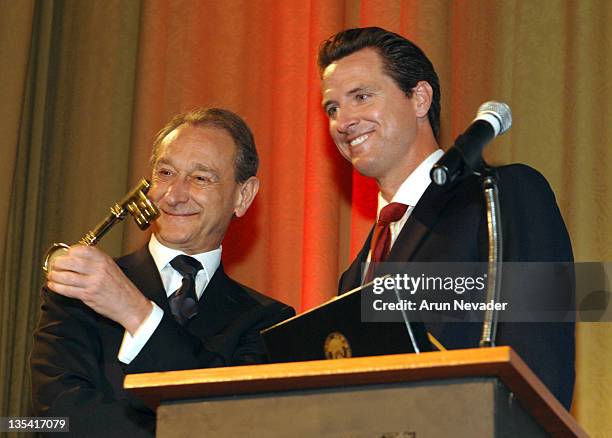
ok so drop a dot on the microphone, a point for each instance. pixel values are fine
(465, 156)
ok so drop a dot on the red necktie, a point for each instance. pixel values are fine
(381, 238)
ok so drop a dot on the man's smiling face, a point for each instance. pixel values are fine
(371, 120)
(195, 188)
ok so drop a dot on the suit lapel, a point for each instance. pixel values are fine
(420, 223)
(221, 301)
(142, 271)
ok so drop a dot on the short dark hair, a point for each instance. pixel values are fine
(247, 160)
(403, 61)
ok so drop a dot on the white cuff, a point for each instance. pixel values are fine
(131, 345)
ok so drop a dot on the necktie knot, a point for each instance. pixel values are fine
(392, 212)
(381, 238)
(185, 265)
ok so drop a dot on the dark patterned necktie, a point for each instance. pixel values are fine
(184, 301)
(381, 238)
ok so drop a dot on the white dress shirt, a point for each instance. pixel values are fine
(172, 281)
(409, 193)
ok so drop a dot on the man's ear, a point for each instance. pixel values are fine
(246, 195)
(422, 94)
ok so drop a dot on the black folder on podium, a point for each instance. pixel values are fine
(335, 330)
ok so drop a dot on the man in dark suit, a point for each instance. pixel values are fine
(382, 97)
(168, 306)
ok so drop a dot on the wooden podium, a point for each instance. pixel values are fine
(487, 392)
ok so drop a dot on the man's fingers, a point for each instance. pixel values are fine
(81, 259)
(68, 278)
(87, 252)
(64, 262)
(64, 289)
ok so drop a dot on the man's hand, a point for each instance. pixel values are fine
(89, 275)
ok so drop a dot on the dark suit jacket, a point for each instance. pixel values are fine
(75, 370)
(450, 226)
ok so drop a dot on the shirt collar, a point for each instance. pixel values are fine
(162, 255)
(413, 187)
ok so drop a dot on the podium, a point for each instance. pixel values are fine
(487, 392)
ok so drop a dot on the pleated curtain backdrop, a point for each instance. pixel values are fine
(85, 86)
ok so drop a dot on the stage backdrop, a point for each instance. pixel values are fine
(85, 86)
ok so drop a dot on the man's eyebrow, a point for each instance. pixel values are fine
(163, 161)
(195, 167)
(351, 92)
(203, 168)
(358, 89)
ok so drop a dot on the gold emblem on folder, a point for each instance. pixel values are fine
(337, 346)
